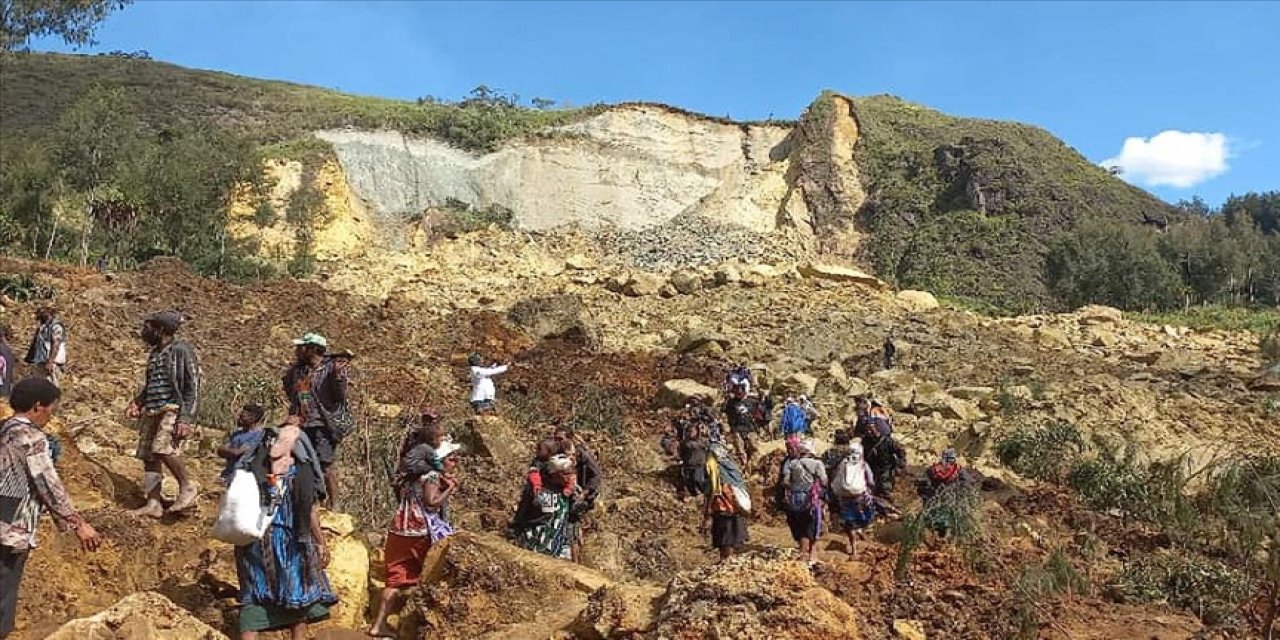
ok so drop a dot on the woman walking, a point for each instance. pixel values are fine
(282, 580)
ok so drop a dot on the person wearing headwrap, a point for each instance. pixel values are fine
(803, 483)
(165, 409)
(421, 523)
(316, 388)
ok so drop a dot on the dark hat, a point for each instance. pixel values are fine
(169, 320)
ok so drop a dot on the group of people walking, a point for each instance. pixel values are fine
(282, 578)
(848, 485)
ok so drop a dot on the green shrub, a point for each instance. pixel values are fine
(599, 410)
(457, 218)
(222, 397)
(1046, 454)
(1154, 491)
(956, 510)
(1206, 587)
(21, 287)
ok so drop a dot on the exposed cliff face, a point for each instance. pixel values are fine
(824, 174)
(631, 167)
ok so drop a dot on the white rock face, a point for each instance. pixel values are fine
(632, 166)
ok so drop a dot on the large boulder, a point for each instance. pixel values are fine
(493, 437)
(930, 398)
(764, 595)
(686, 281)
(1052, 338)
(836, 273)
(1269, 381)
(701, 341)
(726, 274)
(917, 300)
(1095, 314)
(139, 616)
(562, 317)
(618, 611)
(643, 284)
(675, 393)
(796, 384)
(348, 569)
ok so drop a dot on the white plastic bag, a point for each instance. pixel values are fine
(741, 498)
(241, 517)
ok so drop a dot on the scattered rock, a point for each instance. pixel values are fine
(976, 394)
(908, 629)
(1101, 336)
(917, 300)
(836, 273)
(675, 393)
(686, 281)
(642, 284)
(796, 384)
(1052, 338)
(1096, 314)
(579, 262)
(139, 616)
(930, 398)
(562, 317)
(727, 274)
(696, 341)
(1144, 357)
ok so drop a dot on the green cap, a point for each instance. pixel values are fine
(312, 339)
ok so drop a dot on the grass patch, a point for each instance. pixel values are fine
(1262, 320)
(39, 87)
(1048, 454)
(1204, 586)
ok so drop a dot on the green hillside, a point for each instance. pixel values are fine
(998, 215)
(36, 89)
(965, 207)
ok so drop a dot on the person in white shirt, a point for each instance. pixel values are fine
(482, 390)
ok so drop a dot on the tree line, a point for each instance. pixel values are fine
(1226, 256)
(102, 183)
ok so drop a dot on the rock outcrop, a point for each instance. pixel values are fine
(632, 166)
(140, 616)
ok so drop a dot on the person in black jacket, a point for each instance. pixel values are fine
(885, 457)
(590, 478)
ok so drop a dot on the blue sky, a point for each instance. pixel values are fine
(1194, 88)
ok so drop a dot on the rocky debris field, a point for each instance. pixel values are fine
(613, 350)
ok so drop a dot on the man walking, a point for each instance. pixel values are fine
(48, 350)
(29, 485)
(165, 409)
(316, 387)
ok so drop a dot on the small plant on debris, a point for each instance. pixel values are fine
(21, 287)
(1057, 575)
(1150, 491)
(1209, 588)
(1046, 454)
(956, 510)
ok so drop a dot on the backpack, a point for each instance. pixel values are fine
(793, 420)
(850, 479)
(800, 499)
(737, 377)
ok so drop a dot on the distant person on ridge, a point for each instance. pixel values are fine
(48, 350)
(483, 393)
(890, 350)
(316, 387)
(165, 409)
(29, 485)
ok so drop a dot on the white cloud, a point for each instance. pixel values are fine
(1172, 158)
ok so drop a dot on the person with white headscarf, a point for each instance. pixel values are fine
(803, 483)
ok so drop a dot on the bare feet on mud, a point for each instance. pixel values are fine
(186, 499)
(149, 510)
